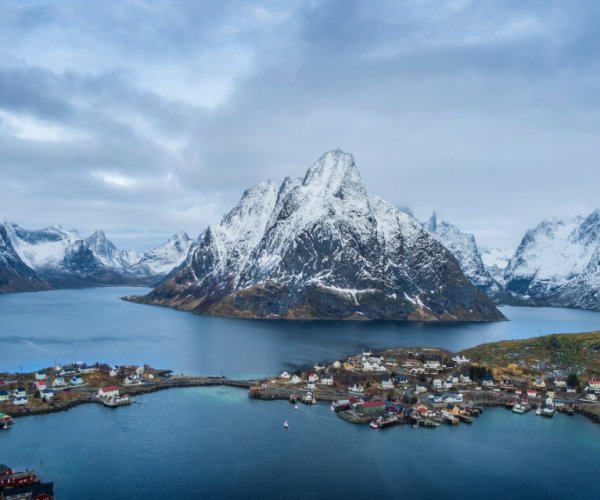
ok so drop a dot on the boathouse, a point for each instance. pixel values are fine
(108, 392)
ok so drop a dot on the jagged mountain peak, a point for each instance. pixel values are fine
(319, 248)
(432, 223)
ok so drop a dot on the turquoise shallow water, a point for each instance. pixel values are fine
(216, 443)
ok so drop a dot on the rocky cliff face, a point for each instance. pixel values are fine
(464, 248)
(558, 264)
(15, 275)
(319, 247)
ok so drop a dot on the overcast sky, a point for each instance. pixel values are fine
(147, 117)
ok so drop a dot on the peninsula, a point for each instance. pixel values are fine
(422, 386)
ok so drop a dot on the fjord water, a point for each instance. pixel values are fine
(216, 443)
(44, 328)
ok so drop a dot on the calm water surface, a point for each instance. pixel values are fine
(39, 329)
(216, 443)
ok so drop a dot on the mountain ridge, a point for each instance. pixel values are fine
(319, 248)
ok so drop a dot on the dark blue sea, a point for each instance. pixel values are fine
(216, 443)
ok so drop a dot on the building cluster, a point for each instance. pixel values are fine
(23, 485)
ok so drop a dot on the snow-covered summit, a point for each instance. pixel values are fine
(464, 248)
(558, 263)
(319, 247)
(163, 259)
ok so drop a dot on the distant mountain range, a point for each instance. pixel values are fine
(320, 248)
(58, 258)
(556, 264)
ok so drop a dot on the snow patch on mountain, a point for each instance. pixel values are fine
(320, 247)
(464, 248)
(163, 259)
(558, 263)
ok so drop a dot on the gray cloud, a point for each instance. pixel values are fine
(151, 117)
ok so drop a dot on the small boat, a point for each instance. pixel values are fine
(538, 412)
(373, 425)
(295, 407)
(341, 405)
(518, 408)
(5, 421)
(286, 425)
(548, 412)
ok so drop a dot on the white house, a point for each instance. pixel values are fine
(4, 395)
(487, 382)
(432, 365)
(549, 401)
(387, 384)
(560, 384)
(59, 382)
(19, 392)
(465, 379)
(295, 379)
(437, 383)
(46, 395)
(594, 384)
(285, 375)
(20, 400)
(356, 389)
(41, 375)
(114, 371)
(336, 365)
(108, 392)
(367, 367)
(40, 385)
(460, 359)
(327, 380)
(420, 389)
(76, 380)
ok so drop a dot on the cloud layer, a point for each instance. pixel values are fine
(146, 117)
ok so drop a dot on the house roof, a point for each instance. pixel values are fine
(110, 388)
(373, 404)
(4, 468)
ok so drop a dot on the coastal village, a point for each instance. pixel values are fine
(428, 386)
(420, 386)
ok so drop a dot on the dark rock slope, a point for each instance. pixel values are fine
(319, 247)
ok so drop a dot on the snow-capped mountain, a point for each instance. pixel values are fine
(558, 264)
(163, 259)
(319, 247)
(63, 258)
(496, 261)
(464, 248)
(15, 275)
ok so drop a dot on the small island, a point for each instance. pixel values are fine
(421, 386)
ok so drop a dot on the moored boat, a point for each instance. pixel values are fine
(518, 408)
(387, 421)
(341, 405)
(373, 425)
(115, 401)
(547, 412)
(5, 421)
(286, 425)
